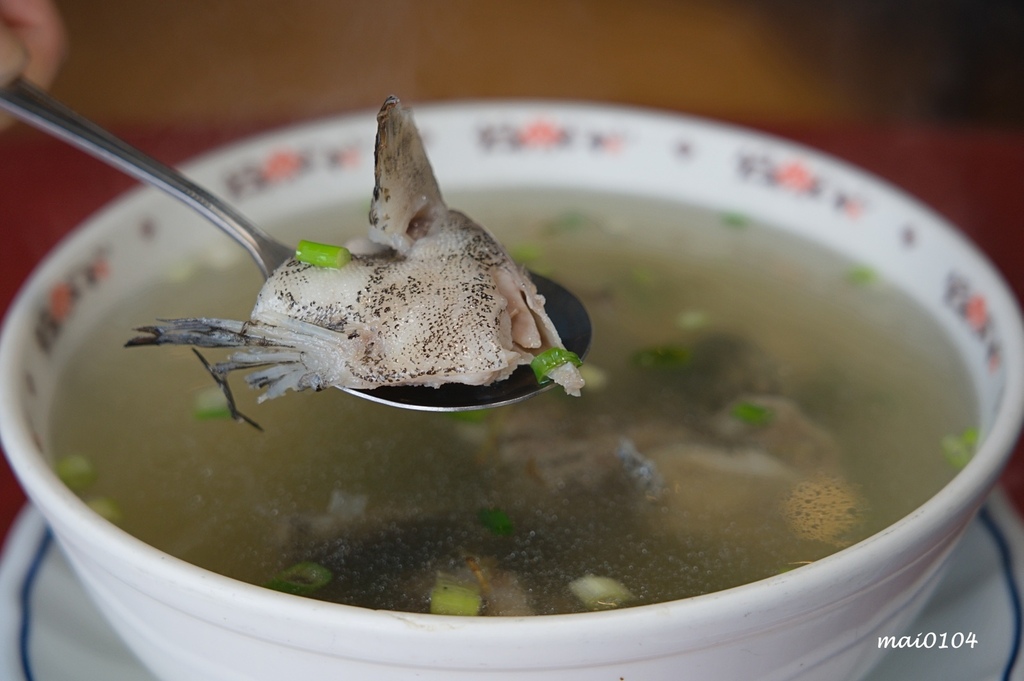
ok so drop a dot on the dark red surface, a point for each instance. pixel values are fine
(974, 178)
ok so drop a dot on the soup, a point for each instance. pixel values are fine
(754, 403)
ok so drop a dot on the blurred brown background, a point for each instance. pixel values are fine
(256, 62)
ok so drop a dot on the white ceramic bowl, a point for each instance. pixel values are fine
(818, 622)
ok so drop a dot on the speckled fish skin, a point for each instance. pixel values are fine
(436, 299)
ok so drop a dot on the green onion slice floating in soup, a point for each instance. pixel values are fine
(449, 597)
(76, 471)
(211, 404)
(496, 520)
(549, 360)
(862, 275)
(301, 579)
(959, 449)
(106, 508)
(692, 319)
(597, 592)
(322, 255)
(527, 252)
(571, 221)
(734, 219)
(663, 357)
(752, 414)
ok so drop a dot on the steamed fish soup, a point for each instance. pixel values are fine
(753, 403)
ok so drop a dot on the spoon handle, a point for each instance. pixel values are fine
(33, 106)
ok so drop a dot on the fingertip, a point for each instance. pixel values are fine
(38, 27)
(13, 55)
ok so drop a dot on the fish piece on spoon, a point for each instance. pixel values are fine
(433, 298)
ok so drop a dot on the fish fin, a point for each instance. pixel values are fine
(199, 331)
(406, 197)
(220, 376)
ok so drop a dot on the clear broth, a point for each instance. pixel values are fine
(388, 498)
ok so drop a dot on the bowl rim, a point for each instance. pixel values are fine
(963, 494)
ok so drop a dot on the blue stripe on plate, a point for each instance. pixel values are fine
(25, 601)
(1006, 567)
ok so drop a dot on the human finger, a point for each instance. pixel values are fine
(13, 55)
(38, 26)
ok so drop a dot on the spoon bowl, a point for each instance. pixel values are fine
(33, 106)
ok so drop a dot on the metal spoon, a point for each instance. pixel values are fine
(33, 106)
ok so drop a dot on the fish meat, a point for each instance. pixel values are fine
(431, 298)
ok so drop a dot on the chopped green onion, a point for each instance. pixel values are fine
(733, 219)
(664, 357)
(549, 360)
(752, 414)
(527, 252)
(76, 471)
(959, 449)
(692, 319)
(211, 404)
(566, 222)
(449, 597)
(496, 520)
(643, 276)
(862, 275)
(301, 579)
(600, 593)
(322, 255)
(106, 508)
(183, 270)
